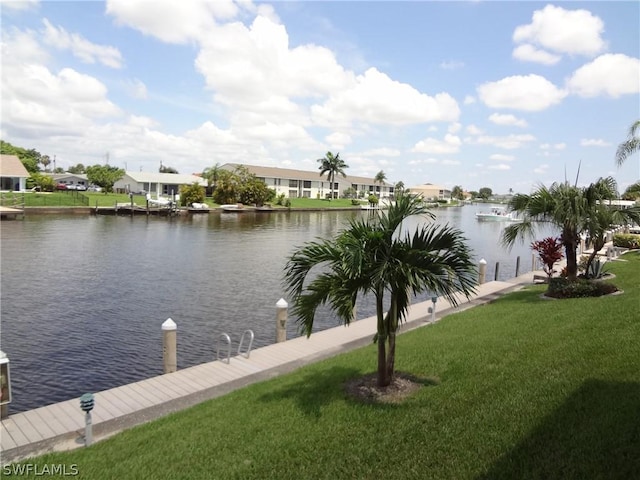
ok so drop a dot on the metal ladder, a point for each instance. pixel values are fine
(227, 340)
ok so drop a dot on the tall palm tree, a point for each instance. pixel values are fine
(211, 175)
(380, 179)
(570, 208)
(630, 146)
(332, 164)
(373, 256)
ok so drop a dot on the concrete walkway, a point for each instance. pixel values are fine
(61, 426)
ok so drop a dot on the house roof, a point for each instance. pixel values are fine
(427, 186)
(166, 178)
(293, 174)
(60, 176)
(11, 166)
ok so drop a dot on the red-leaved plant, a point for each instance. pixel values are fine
(549, 252)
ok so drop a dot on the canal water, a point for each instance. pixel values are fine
(83, 297)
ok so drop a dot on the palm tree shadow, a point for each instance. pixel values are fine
(315, 390)
(595, 433)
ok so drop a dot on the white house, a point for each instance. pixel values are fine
(71, 179)
(155, 183)
(13, 174)
(309, 184)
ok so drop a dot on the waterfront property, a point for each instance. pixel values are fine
(155, 183)
(13, 175)
(309, 184)
(429, 191)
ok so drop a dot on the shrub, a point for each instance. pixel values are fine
(626, 240)
(191, 193)
(355, 202)
(549, 251)
(373, 200)
(580, 288)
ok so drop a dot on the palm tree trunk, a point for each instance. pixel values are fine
(572, 260)
(391, 359)
(392, 327)
(382, 339)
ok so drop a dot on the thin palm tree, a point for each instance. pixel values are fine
(374, 256)
(211, 175)
(630, 146)
(332, 164)
(380, 179)
(570, 208)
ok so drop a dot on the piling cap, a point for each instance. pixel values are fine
(169, 325)
(282, 303)
(483, 261)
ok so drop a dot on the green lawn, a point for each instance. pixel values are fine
(91, 199)
(522, 388)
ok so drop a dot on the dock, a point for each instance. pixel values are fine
(60, 426)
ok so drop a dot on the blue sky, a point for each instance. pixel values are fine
(505, 95)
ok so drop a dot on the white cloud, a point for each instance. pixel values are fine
(469, 100)
(422, 161)
(338, 140)
(556, 146)
(529, 53)
(594, 142)
(450, 144)
(382, 152)
(573, 32)
(454, 127)
(136, 89)
(541, 169)
(451, 65)
(530, 93)
(499, 157)
(610, 74)
(82, 48)
(509, 142)
(46, 103)
(173, 22)
(507, 119)
(474, 130)
(377, 99)
(501, 166)
(450, 162)
(19, 5)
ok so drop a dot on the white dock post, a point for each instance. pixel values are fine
(169, 346)
(482, 271)
(281, 320)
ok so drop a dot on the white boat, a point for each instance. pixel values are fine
(497, 214)
(235, 207)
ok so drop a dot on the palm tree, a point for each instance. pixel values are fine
(211, 175)
(373, 256)
(570, 208)
(331, 165)
(630, 146)
(380, 179)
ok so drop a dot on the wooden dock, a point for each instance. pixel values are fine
(60, 426)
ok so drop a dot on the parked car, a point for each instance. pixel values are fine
(81, 187)
(93, 188)
(61, 186)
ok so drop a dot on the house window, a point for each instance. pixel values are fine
(307, 184)
(293, 183)
(306, 193)
(293, 194)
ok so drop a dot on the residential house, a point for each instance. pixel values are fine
(429, 191)
(155, 184)
(71, 179)
(13, 174)
(309, 184)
